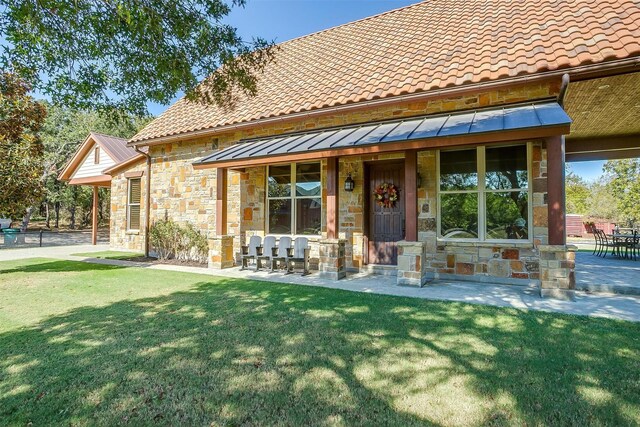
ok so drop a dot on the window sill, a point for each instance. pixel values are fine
(133, 232)
(310, 237)
(487, 243)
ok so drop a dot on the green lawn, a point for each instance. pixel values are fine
(89, 344)
(122, 255)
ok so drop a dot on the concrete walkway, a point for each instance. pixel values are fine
(625, 307)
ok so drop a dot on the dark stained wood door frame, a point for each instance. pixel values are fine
(400, 164)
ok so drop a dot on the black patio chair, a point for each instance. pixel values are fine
(632, 246)
(605, 244)
(598, 242)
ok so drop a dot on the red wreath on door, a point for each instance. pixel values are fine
(386, 195)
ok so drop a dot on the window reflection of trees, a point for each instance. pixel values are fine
(298, 211)
(503, 191)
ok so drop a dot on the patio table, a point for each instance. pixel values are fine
(621, 240)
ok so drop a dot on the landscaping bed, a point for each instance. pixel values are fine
(137, 257)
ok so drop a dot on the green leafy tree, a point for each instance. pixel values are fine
(601, 203)
(577, 193)
(624, 178)
(21, 150)
(120, 55)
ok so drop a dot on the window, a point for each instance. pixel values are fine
(96, 155)
(484, 194)
(133, 204)
(294, 199)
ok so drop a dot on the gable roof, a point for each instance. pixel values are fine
(428, 46)
(116, 148)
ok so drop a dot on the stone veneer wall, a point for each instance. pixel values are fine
(494, 262)
(119, 236)
(186, 195)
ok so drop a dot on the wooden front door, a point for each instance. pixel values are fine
(386, 225)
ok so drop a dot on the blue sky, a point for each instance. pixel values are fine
(587, 170)
(282, 20)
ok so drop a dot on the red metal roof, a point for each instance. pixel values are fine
(117, 148)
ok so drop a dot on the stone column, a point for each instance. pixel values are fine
(557, 271)
(221, 252)
(412, 263)
(332, 259)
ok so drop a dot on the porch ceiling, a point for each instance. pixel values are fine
(606, 118)
(486, 125)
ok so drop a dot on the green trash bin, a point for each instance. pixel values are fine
(12, 236)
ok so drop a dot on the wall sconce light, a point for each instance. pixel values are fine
(349, 184)
(419, 181)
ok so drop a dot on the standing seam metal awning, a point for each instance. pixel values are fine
(520, 117)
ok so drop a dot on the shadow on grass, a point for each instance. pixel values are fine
(240, 352)
(117, 255)
(51, 266)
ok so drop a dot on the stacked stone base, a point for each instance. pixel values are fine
(411, 263)
(332, 264)
(221, 252)
(557, 271)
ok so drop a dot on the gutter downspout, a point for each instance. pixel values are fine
(563, 89)
(147, 202)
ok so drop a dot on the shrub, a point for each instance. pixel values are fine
(185, 243)
(164, 236)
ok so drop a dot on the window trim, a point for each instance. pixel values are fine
(293, 198)
(481, 191)
(129, 204)
(96, 155)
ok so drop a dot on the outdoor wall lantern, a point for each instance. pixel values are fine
(419, 181)
(349, 185)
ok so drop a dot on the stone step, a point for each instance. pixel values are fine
(380, 270)
(608, 288)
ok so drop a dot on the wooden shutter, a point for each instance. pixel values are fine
(134, 204)
(134, 191)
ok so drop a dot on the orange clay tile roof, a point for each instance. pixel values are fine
(426, 46)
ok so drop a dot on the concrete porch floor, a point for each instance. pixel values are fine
(624, 307)
(609, 274)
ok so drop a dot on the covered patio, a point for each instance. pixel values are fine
(606, 126)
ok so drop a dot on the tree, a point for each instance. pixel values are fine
(21, 150)
(120, 55)
(601, 204)
(624, 178)
(577, 193)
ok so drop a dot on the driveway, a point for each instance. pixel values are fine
(50, 251)
(55, 238)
